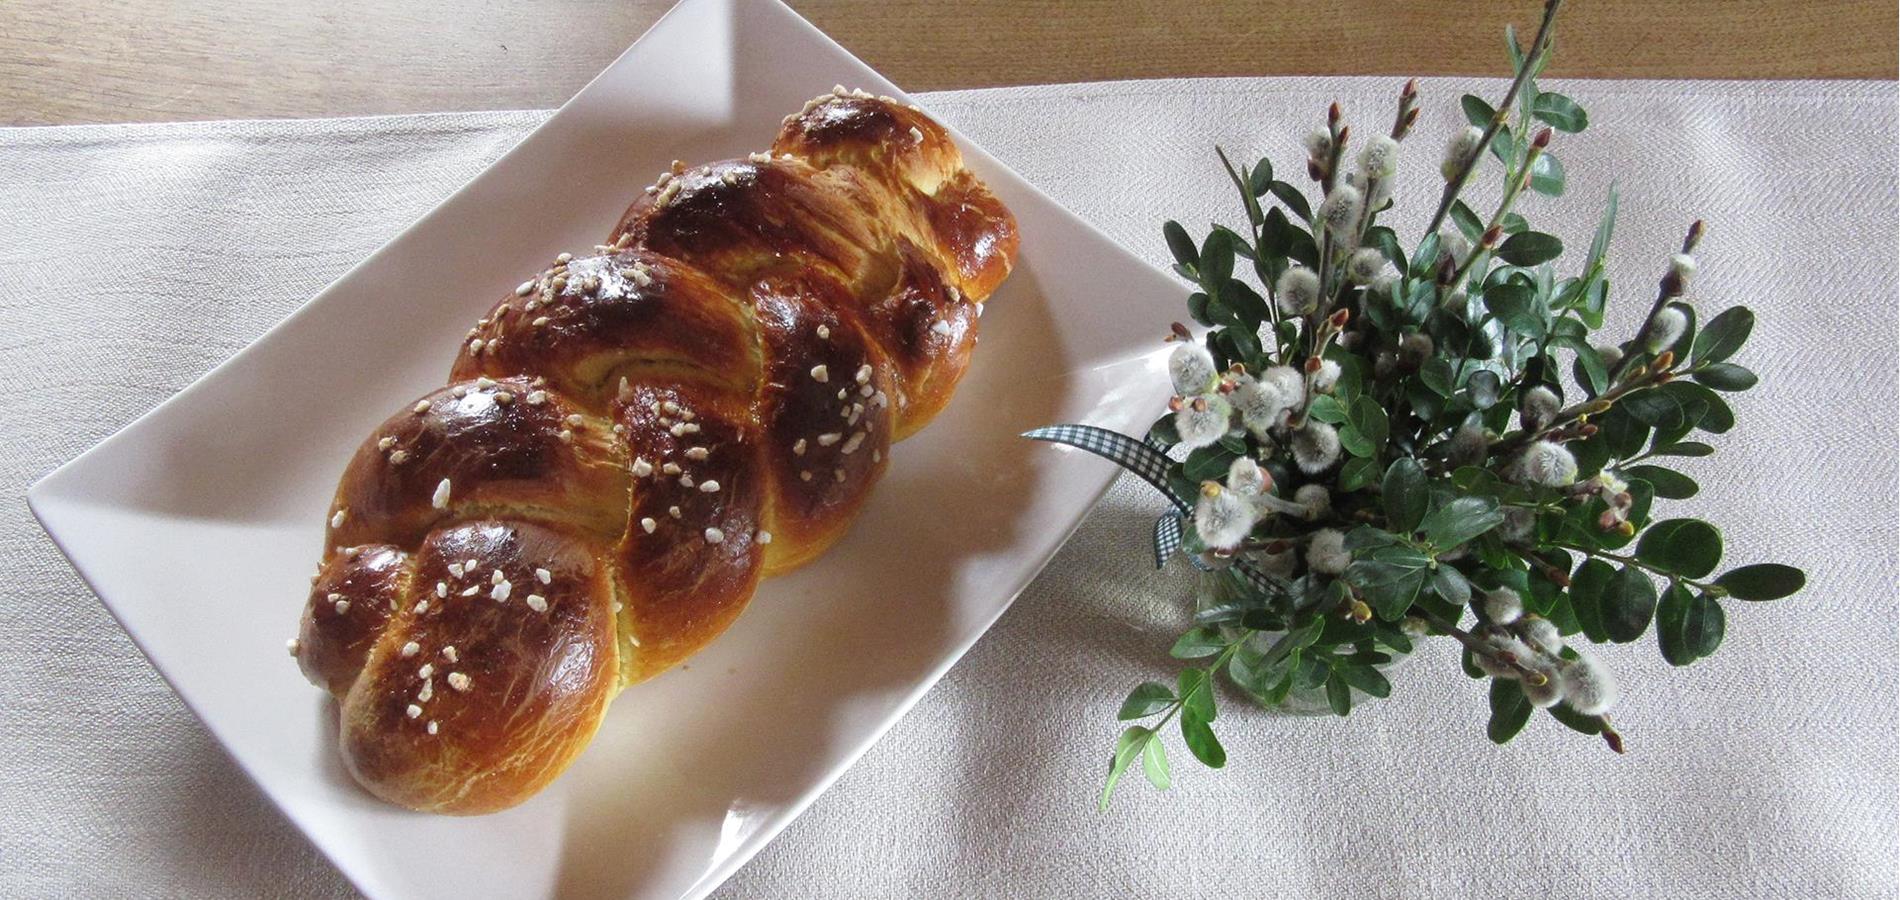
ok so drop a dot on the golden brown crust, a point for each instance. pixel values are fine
(480, 698)
(351, 601)
(634, 437)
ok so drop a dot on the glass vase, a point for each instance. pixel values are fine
(1212, 589)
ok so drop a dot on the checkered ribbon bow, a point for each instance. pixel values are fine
(1150, 464)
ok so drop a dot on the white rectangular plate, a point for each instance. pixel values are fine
(198, 524)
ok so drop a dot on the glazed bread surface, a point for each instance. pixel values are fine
(633, 437)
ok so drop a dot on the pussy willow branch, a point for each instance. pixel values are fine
(1477, 646)
(1539, 47)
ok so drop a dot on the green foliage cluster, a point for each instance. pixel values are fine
(1495, 473)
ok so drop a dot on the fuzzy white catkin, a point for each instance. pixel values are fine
(1285, 379)
(1315, 447)
(1547, 464)
(1364, 265)
(1317, 500)
(1191, 368)
(1609, 355)
(1223, 519)
(1246, 478)
(1468, 445)
(1503, 605)
(1339, 212)
(1326, 552)
(1297, 291)
(1589, 686)
(1665, 329)
(1261, 405)
(1452, 243)
(1459, 149)
(1548, 694)
(1540, 406)
(1502, 646)
(1318, 144)
(1518, 522)
(1542, 633)
(1373, 191)
(1327, 377)
(1380, 159)
(1201, 427)
(1683, 265)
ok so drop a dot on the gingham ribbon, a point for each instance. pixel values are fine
(1150, 464)
(1146, 462)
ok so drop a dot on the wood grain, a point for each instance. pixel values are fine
(144, 60)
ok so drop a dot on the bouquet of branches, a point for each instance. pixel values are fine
(1372, 448)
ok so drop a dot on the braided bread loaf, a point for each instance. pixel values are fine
(631, 440)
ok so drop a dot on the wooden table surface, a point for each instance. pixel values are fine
(74, 61)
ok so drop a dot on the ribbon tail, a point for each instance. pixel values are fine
(1138, 457)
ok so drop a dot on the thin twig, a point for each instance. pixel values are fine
(1538, 48)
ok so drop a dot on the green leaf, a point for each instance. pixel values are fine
(1369, 418)
(1197, 304)
(1338, 694)
(1517, 305)
(1467, 221)
(1146, 699)
(1209, 463)
(1683, 448)
(1201, 741)
(1688, 547)
(1576, 721)
(1656, 408)
(1246, 303)
(1261, 178)
(1293, 199)
(1327, 408)
(1725, 377)
(1217, 260)
(1606, 227)
(1530, 248)
(1589, 369)
(1629, 602)
(1196, 690)
(1132, 742)
(1356, 474)
(1512, 223)
(1547, 175)
(1762, 581)
(1477, 111)
(1461, 520)
(1406, 495)
(1154, 764)
(1365, 678)
(1198, 643)
(1560, 112)
(1180, 244)
(1670, 616)
(1356, 443)
(1451, 586)
(1510, 709)
(1669, 484)
(1621, 431)
(1713, 414)
(1439, 375)
(1689, 626)
(1389, 587)
(1725, 334)
(1240, 184)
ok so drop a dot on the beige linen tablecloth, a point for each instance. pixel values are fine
(134, 258)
